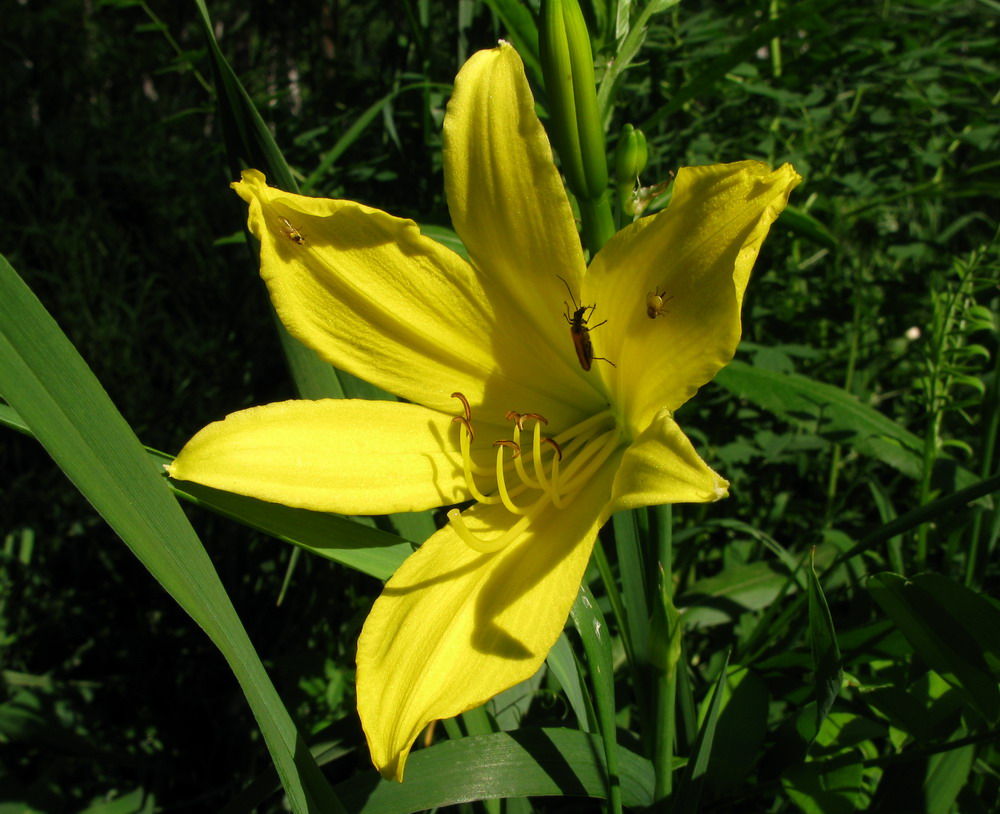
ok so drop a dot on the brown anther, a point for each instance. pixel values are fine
(506, 442)
(539, 418)
(552, 443)
(465, 404)
(459, 419)
(514, 415)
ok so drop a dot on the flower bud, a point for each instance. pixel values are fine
(630, 156)
(568, 69)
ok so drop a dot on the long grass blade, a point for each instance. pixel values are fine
(46, 381)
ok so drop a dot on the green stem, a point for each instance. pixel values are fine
(597, 223)
(664, 683)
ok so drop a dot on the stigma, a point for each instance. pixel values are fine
(531, 469)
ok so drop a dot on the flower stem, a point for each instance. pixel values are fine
(598, 225)
(665, 653)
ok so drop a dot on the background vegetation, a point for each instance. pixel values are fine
(118, 215)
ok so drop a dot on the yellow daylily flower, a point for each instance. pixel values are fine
(499, 408)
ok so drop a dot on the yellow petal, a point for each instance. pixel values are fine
(335, 455)
(661, 467)
(698, 253)
(508, 203)
(454, 627)
(374, 297)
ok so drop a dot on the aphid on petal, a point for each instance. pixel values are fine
(291, 232)
(655, 301)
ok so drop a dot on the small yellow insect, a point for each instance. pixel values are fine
(291, 232)
(655, 302)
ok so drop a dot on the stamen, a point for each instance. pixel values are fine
(522, 473)
(504, 442)
(557, 495)
(520, 419)
(585, 447)
(479, 544)
(501, 480)
(465, 404)
(587, 426)
(467, 466)
(552, 442)
(584, 468)
(543, 482)
(500, 541)
(465, 423)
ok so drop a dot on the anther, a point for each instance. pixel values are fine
(465, 405)
(514, 415)
(506, 442)
(552, 443)
(467, 424)
(521, 419)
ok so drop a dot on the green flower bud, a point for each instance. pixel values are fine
(630, 156)
(630, 159)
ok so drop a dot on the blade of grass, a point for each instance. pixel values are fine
(825, 652)
(46, 381)
(351, 134)
(590, 624)
(689, 788)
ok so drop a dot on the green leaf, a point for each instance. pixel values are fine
(528, 762)
(627, 49)
(246, 133)
(50, 386)
(249, 139)
(724, 597)
(816, 789)
(634, 581)
(363, 548)
(947, 774)
(689, 789)
(937, 626)
(976, 614)
(563, 666)
(509, 707)
(742, 728)
(593, 629)
(523, 32)
(348, 542)
(806, 226)
(825, 652)
(833, 414)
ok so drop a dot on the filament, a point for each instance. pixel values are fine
(576, 454)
